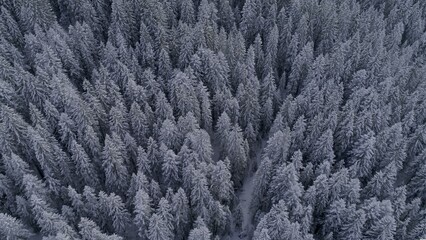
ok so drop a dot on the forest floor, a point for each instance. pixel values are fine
(244, 197)
(245, 194)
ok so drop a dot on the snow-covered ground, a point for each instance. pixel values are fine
(244, 196)
(245, 199)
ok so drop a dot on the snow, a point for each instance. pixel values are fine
(36, 237)
(245, 197)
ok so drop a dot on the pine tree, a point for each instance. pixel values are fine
(285, 186)
(323, 148)
(221, 218)
(248, 95)
(34, 186)
(10, 28)
(391, 146)
(201, 198)
(187, 14)
(277, 124)
(199, 142)
(278, 145)
(271, 46)
(164, 210)
(352, 225)
(131, 148)
(84, 45)
(168, 134)
(183, 94)
(226, 16)
(268, 99)
(181, 213)
(380, 222)
(92, 207)
(185, 125)
(89, 230)
(200, 231)
(252, 19)
(118, 215)
(263, 235)
(345, 129)
(116, 173)
(85, 168)
(170, 169)
(155, 192)
(236, 149)
(322, 192)
(221, 185)
(335, 215)
(118, 122)
(164, 67)
(186, 45)
(139, 181)
(384, 228)
(76, 201)
(213, 69)
(223, 126)
(143, 162)
(158, 229)
(417, 185)
(58, 40)
(142, 212)
(163, 110)
(153, 158)
(207, 22)
(16, 168)
(205, 106)
(225, 102)
(382, 182)
(13, 228)
(44, 155)
(417, 231)
(68, 213)
(261, 182)
(50, 222)
(138, 123)
(153, 15)
(277, 220)
(121, 23)
(299, 69)
(6, 190)
(39, 12)
(37, 118)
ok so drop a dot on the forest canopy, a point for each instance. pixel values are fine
(213, 119)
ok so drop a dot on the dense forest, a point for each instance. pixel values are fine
(213, 119)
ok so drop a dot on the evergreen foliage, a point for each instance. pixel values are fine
(213, 119)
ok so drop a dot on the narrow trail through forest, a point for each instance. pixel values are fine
(245, 195)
